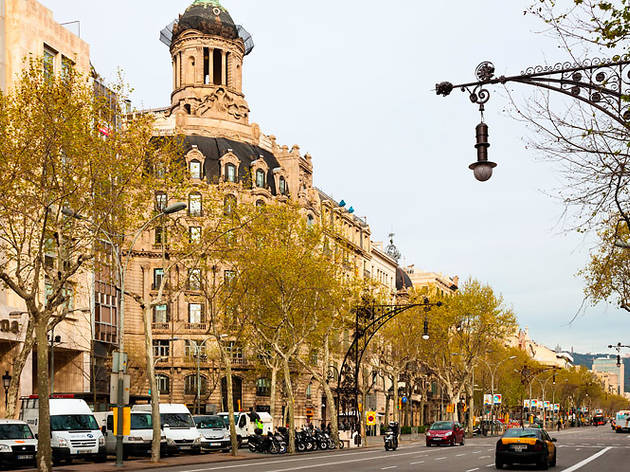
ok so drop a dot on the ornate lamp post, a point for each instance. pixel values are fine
(597, 82)
(6, 382)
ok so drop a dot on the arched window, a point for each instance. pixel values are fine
(282, 186)
(260, 178)
(195, 205)
(229, 204)
(263, 387)
(310, 221)
(195, 169)
(190, 385)
(163, 384)
(260, 203)
(230, 173)
(309, 393)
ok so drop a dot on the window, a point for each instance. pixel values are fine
(190, 385)
(229, 204)
(194, 279)
(195, 313)
(161, 201)
(235, 351)
(158, 276)
(309, 389)
(161, 348)
(230, 173)
(66, 66)
(228, 277)
(195, 169)
(263, 387)
(282, 187)
(260, 178)
(163, 384)
(160, 314)
(195, 206)
(160, 235)
(49, 62)
(193, 349)
(217, 59)
(194, 234)
(310, 221)
(260, 203)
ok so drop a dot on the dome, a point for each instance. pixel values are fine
(403, 282)
(209, 17)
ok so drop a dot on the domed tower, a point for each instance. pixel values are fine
(207, 51)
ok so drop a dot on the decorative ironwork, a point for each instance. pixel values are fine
(369, 319)
(603, 84)
(392, 250)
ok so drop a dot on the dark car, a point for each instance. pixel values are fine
(526, 446)
(445, 432)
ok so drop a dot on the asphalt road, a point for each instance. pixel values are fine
(584, 449)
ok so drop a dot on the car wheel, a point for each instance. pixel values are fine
(555, 459)
(544, 464)
(499, 465)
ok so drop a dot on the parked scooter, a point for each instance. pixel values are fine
(269, 444)
(391, 437)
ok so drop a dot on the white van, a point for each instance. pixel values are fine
(245, 427)
(178, 427)
(139, 441)
(73, 428)
(18, 445)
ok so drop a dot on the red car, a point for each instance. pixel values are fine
(445, 432)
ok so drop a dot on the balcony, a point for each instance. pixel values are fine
(161, 326)
(196, 327)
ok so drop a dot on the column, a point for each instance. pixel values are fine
(224, 67)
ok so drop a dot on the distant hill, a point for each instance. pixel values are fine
(587, 361)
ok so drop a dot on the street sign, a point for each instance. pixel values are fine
(526, 403)
(126, 419)
(119, 362)
(487, 399)
(498, 398)
(113, 389)
(370, 418)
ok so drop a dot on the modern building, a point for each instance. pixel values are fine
(609, 365)
(28, 30)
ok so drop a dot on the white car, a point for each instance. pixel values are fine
(177, 426)
(140, 439)
(216, 434)
(18, 445)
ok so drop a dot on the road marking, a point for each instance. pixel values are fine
(440, 458)
(390, 467)
(473, 470)
(484, 457)
(414, 463)
(476, 452)
(490, 465)
(460, 455)
(311, 466)
(579, 465)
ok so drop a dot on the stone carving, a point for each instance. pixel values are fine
(222, 101)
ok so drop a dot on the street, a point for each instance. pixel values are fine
(584, 449)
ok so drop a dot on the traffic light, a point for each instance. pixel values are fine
(618, 360)
(400, 403)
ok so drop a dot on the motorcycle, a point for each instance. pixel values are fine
(270, 444)
(391, 437)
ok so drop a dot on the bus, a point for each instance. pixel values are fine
(622, 422)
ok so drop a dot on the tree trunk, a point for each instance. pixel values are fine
(395, 390)
(227, 362)
(471, 409)
(44, 450)
(272, 393)
(362, 422)
(290, 405)
(452, 400)
(155, 394)
(13, 394)
(332, 413)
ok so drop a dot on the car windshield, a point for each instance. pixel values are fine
(15, 431)
(73, 423)
(522, 433)
(209, 422)
(141, 421)
(441, 426)
(226, 417)
(177, 420)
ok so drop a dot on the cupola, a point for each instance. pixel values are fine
(207, 51)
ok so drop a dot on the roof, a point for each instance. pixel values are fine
(215, 148)
(403, 281)
(207, 16)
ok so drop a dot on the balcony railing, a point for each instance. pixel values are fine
(196, 326)
(161, 326)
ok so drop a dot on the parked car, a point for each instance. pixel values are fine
(18, 445)
(178, 427)
(526, 446)
(245, 427)
(216, 434)
(445, 432)
(74, 430)
(140, 439)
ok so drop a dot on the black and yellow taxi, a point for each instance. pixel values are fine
(526, 446)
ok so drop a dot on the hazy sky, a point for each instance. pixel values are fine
(352, 83)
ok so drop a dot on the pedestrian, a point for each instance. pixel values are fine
(559, 424)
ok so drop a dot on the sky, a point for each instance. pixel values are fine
(351, 82)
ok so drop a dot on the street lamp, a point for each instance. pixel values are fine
(6, 382)
(492, 375)
(589, 82)
(120, 403)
